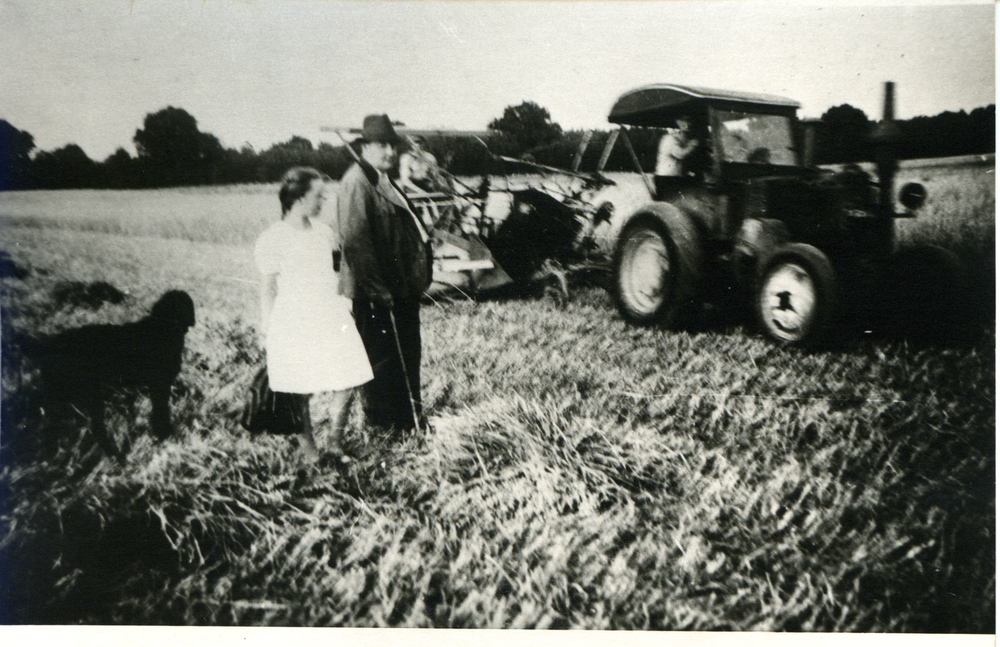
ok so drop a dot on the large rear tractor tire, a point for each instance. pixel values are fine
(657, 265)
(797, 297)
(929, 295)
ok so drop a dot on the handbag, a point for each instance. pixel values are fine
(268, 412)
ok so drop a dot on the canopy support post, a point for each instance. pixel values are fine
(638, 167)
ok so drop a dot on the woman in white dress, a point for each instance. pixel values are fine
(312, 343)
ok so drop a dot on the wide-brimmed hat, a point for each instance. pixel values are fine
(378, 128)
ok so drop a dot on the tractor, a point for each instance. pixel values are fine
(808, 251)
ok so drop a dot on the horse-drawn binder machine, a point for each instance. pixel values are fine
(523, 229)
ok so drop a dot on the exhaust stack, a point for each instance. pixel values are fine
(886, 138)
(889, 106)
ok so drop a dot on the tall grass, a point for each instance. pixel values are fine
(961, 208)
(624, 479)
(958, 214)
(224, 214)
(961, 216)
(582, 473)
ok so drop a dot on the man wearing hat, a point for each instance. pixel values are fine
(386, 269)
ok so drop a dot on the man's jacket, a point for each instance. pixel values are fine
(384, 250)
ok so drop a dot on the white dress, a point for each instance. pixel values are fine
(312, 342)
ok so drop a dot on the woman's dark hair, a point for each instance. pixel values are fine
(295, 184)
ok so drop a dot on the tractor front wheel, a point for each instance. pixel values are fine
(797, 297)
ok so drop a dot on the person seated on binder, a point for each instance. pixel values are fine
(419, 171)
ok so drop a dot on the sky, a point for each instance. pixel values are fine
(257, 72)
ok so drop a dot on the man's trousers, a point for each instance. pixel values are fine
(386, 399)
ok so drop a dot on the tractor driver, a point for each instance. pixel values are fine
(676, 158)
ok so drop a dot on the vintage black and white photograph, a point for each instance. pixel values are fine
(650, 315)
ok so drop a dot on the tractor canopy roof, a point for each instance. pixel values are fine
(659, 105)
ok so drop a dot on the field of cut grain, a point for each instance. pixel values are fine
(582, 472)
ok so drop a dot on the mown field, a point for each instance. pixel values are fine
(582, 473)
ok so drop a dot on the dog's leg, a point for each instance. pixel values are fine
(159, 420)
(94, 408)
(130, 433)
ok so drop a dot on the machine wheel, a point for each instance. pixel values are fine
(929, 296)
(797, 296)
(657, 265)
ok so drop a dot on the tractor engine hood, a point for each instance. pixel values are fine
(819, 210)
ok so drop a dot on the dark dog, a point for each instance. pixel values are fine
(83, 365)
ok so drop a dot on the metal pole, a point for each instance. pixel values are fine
(578, 158)
(406, 374)
(347, 145)
(606, 153)
(638, 166)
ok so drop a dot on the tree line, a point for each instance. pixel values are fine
(172, 151)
